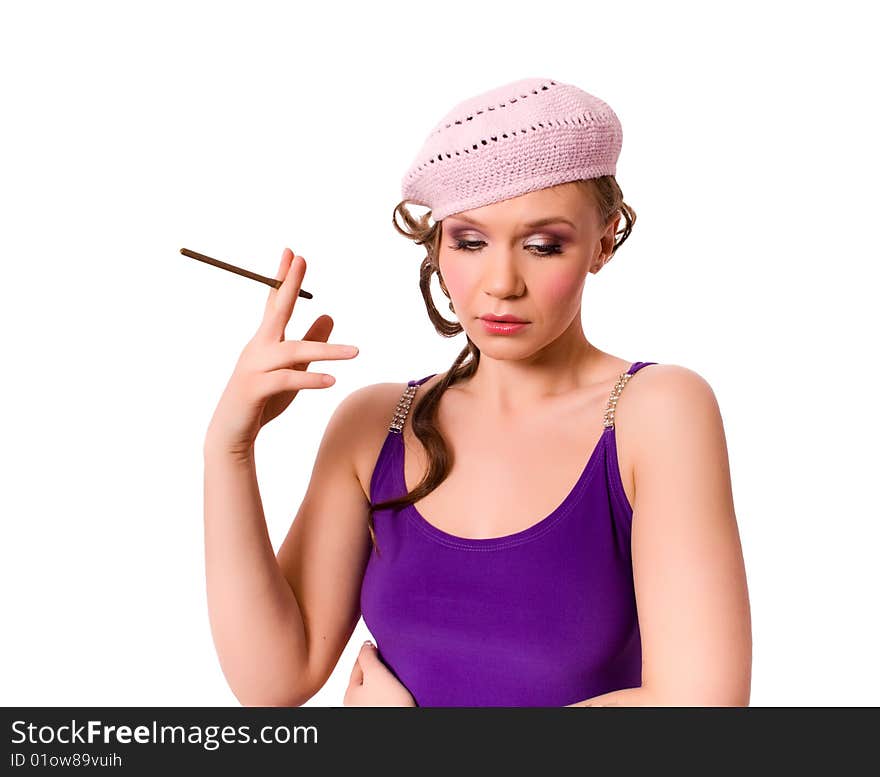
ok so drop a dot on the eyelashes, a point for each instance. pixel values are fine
(472, 245)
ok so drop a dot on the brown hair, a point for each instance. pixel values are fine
(609, 199)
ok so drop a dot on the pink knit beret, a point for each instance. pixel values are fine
(527, 135)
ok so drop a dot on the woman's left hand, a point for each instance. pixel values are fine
(373, 685)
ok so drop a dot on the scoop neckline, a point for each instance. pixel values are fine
(532, 532)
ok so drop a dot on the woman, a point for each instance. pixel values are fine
(516, 571)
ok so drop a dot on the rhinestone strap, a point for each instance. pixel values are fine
(402, 409)
(615, 395)
(406, 399)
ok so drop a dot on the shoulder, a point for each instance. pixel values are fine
(370, 399)
(664, 406)
(660, 384)
(366, 415)
(368, 410)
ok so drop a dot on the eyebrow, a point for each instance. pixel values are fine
(537, 223)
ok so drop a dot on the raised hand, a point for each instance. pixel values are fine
(271, 370)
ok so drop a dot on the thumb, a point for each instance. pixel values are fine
(369, 656)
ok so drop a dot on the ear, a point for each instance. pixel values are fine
(610, 234)
(598, 263)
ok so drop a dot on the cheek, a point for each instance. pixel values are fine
(457, 281)
(563, 289)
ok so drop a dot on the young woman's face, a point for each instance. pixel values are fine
(495, 260)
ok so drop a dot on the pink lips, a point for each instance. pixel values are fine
(506, 317)
(503, 327)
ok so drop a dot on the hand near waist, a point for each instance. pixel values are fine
(372, 684)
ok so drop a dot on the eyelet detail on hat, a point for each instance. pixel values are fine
(561, 127)
(580, 119)
(500, 105)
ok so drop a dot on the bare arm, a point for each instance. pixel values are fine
(688, 568)
(326, 551)
(255, 619)
(280, 622)
(259, 629)
(627, 697)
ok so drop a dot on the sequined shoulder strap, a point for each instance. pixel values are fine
(618, 387)
(403, 404)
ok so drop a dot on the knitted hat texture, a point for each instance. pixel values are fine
(527, 135)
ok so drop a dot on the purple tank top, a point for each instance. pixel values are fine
(545, 617)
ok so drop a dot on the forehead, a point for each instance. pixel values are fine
(556, 204)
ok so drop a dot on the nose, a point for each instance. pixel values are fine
(501, 275)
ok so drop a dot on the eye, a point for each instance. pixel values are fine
(547, 249)
(473, 245)
(467, 245)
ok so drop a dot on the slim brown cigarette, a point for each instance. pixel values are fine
(274, 282)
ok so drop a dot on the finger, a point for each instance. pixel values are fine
(320, 329)
(357, 675)
(279, 307)
(368, 658)
(301, 354)
(285, 300)
(319, 332)
(286, 257)
(287, 380)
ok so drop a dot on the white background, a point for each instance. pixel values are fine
(130, 130)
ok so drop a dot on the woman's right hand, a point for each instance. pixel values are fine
(271, 370)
